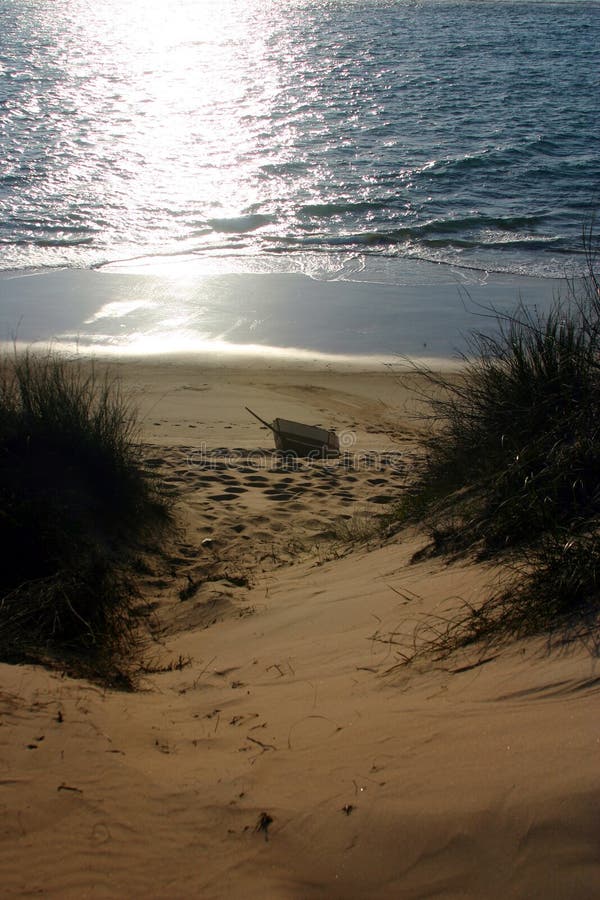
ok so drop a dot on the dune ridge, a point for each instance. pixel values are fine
(277, 748)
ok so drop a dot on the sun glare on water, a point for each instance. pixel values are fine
(192, 71)
(174, 101)
(171, 101)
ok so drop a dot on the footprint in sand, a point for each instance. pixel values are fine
(218, 466)
(205, 480)
(209, 516)
(206, 530)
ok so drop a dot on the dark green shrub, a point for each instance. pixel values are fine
(76, 506)
(521, 432)
(513, 469)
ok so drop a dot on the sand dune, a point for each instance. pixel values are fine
(280, 750)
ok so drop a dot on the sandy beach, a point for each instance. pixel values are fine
(277, 748)
(250, 210)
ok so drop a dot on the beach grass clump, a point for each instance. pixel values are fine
(557, 585)
(512, 469)
(358, 528)
(77, 509)
(555, 591)
(518, 453)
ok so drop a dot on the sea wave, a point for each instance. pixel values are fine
(240, 224)
(343, 207)
(434, 131)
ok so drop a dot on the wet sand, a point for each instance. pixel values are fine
(276, 316)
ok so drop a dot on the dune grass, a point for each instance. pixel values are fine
(77, 509)
(512, 468)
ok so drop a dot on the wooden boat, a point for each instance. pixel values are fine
(302, 440)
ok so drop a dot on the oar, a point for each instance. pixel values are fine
(270, 427)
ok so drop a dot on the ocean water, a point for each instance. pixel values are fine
(307, 135)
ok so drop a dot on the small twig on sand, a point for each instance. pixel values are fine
(261, 743)
(264, 821)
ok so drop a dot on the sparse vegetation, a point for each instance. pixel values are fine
(77, 507)
(359, 528)
(512, 470)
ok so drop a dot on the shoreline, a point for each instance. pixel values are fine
(281, 317)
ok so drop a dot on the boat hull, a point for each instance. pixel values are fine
(304, 440)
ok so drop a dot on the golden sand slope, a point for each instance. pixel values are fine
(282, 753)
